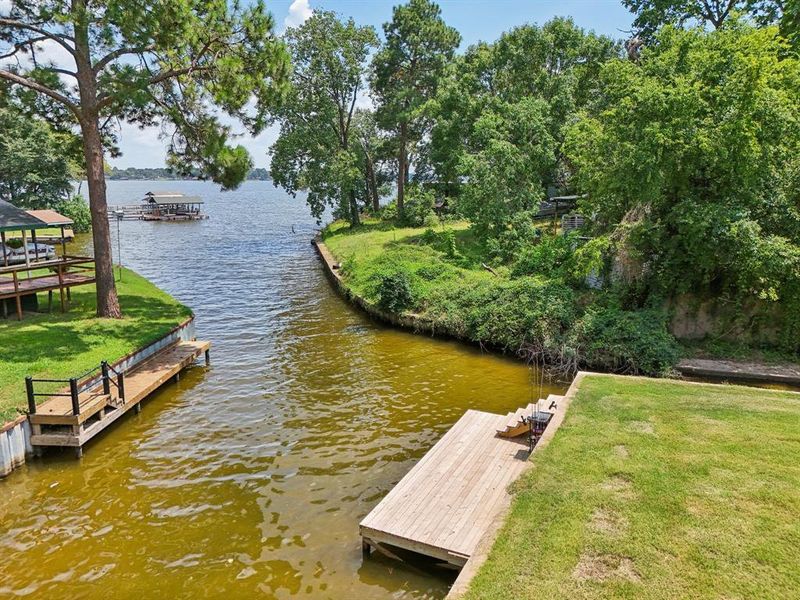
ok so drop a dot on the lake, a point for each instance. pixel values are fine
(248, 478)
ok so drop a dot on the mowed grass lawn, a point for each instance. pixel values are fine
(60, 345)
(657, 489)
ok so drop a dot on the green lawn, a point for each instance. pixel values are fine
(64, 345)
(657, 489)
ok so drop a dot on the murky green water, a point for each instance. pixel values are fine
(248, 479)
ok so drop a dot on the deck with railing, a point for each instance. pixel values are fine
(86, 404)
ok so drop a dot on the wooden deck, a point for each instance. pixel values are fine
(42, 284)
(54, 423)
(443, 506)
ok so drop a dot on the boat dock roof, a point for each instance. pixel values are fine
(445, 504)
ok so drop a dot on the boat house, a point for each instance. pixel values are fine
(162, 206)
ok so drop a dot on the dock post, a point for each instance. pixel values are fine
(365, 548)
(73, 392)
(78, 451)
(138, 408)
(106, 383)
(208, 357)
(121, 385)
(31, 397)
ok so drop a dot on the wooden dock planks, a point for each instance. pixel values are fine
(140, 382)
(442, 507)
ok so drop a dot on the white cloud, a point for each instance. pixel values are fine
(299, 12)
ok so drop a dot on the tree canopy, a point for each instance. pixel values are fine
(35, 171)
(651, 15)
(406, 73)
(317, 149)
(699, 142)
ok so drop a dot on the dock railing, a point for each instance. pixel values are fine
(70, 387)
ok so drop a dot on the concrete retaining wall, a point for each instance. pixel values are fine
(15, 444)
(15, 436)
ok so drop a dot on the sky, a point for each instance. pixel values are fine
(476, 20)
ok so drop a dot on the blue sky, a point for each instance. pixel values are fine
(476, 20)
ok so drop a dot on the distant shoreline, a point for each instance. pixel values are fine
(163, 174)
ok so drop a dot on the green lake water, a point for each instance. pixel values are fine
(248, 479)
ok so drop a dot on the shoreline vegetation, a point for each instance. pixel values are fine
(663, 502)
(437, 275)
(55, 345)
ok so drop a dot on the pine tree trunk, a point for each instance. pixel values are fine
(372, 185)
(107, 301)
(401, 170)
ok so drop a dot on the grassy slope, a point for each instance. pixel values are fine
(655, 489)
(63, 345)
(369, 242)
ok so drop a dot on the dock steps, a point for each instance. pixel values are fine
(515, 424)
(55, 424)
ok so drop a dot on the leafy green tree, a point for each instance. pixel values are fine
(691, 163)
(790, 22)
(406, 73)
(501, 116)
(316, 149)
(651, 15)
(511, 152)
(150, 62)
(34, 167)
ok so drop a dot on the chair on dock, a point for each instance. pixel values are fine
(87, 404)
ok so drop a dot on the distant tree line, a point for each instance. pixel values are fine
(133, 173)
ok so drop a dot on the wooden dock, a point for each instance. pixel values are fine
(448, 500)
(72, 419)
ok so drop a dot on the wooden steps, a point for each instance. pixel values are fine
(515, 424)
(54, 424)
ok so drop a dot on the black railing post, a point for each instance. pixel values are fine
(31, 397)
(73, 392)
(121, 385)
(106, 384)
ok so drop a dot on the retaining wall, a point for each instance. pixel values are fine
(15, 436)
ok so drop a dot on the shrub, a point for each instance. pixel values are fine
(510, 314)
(623, 341)
(393, 290)
(389, 212)
(431, 220)
(551, 257)
(418, 207)
(450, 248)
(76, 209)
(518, 234)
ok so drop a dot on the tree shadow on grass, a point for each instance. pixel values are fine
(64, 337)
(362, 228)
(471, 252)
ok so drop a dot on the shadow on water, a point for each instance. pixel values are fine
(250, 477)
